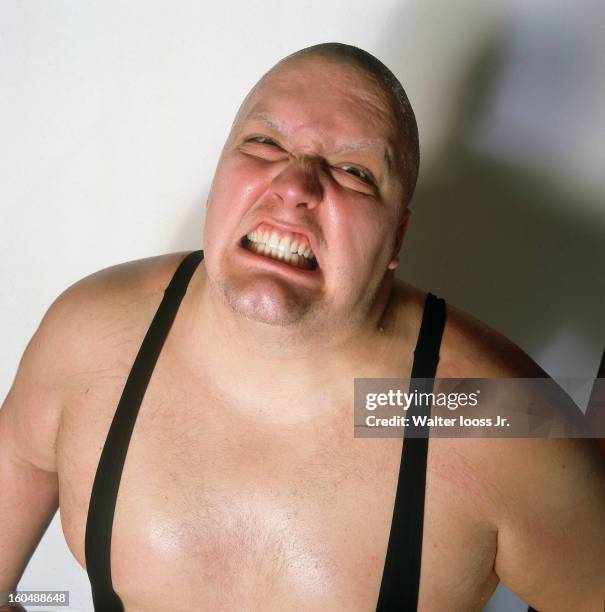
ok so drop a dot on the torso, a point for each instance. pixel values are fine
(217, 509)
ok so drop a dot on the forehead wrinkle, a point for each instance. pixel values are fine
(371, 144)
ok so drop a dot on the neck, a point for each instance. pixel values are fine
(302, 367)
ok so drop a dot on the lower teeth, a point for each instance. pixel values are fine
(292, 259)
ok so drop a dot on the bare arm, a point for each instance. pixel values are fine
(548, 495)
(28, 425)
(93, 312)
(29, 500)
(551, 541)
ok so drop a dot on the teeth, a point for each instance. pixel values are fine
(284, 246)
(270, 244)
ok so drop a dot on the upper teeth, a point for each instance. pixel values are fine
(283, 245)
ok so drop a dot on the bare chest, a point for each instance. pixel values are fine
(216, 509)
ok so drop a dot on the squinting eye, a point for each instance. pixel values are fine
(263, 140)
(357, 172)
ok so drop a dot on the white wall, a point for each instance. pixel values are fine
(113, 115)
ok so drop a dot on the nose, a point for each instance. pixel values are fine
(298, 184)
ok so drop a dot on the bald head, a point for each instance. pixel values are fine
(403, 114)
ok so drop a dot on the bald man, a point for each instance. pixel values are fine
(228, 478)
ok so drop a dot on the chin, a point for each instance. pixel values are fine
(269, 305)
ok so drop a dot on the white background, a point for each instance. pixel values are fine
(113, 115)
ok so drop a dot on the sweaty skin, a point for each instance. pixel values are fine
(244, 488)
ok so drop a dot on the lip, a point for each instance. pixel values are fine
(309, 277)
(286, 227)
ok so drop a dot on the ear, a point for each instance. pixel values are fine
(401, 230)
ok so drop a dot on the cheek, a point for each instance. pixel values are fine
(359, 231)
(363, 253)
(239, 179)
(356, 251)
(237, 185)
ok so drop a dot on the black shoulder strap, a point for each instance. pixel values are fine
(109, 471)
(401, 576)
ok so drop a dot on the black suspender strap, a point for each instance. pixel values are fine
(401, 576)
(109, 471)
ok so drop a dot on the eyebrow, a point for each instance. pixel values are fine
(369, 144)
(267, 119)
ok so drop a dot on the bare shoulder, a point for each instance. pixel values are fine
(469, 348)
(472, 349)
(125, 281)
(546, 497)
(103, 310)
(110, 294)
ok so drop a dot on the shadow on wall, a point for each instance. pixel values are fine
(496, 238)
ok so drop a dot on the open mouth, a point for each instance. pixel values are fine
(284, 248)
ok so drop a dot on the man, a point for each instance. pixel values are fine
(243, 486)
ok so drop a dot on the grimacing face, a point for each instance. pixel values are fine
(311, 167)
